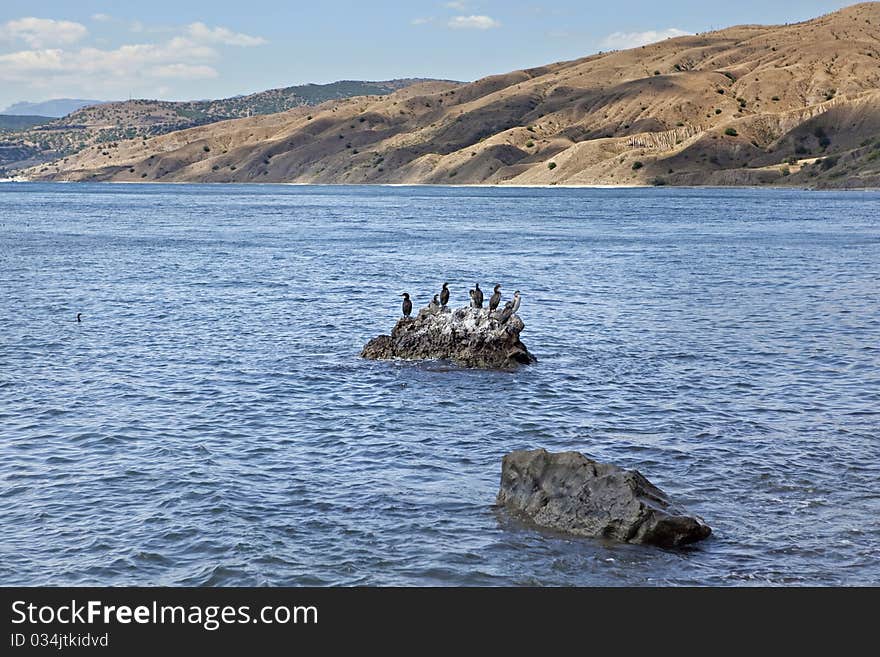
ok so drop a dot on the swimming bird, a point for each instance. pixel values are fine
(444, 295)
(407, 305)
(79, 317)
(495, 299)
(478, 296)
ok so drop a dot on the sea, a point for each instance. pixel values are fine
(209, 420)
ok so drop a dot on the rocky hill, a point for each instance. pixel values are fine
(749, 105)
(104, 124)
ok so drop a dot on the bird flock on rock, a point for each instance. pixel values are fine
(440, 302)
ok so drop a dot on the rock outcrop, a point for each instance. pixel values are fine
(469, 337)
(571, 493)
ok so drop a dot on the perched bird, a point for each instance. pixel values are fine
(444, 295)
(495, 299)
(434, 306)
(471, 295)
(510, 308)
(505, 314)
(79, 317)
(407, 305)
(478, 296)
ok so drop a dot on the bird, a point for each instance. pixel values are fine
(444, 295)
(510, 308)
(495, 299)
(407, 305)
(434, 306)
(79, 318)
(478, 296)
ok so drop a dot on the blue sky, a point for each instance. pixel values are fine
(185, 50)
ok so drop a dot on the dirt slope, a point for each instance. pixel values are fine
(795, 104)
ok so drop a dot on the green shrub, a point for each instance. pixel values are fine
(637, 165)
(775, 99)
(656, 72)
(551, 166)
(718, 111)
(530, 144)
(731, 132)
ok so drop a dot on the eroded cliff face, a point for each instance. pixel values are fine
(469, 337)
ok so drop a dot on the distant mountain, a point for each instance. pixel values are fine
(54, 108)
(795, 104)
(17, 123)
(108, 123)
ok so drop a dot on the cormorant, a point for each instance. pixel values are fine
(444, 295)
(510, 308)
(516, 301)
(478, 296)
(79, 317)
(495, 299)
(407, 305)
(434, 306)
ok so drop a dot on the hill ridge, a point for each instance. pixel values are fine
(746, 105)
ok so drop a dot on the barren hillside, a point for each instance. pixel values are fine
(795, 104)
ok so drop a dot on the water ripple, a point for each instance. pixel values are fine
(209, 422)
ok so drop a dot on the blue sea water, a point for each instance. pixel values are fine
(210, 423)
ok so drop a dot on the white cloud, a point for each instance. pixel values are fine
(42, 32)
(473, 23)
(188, 56)
(624, 40)
(184, 72)
(458, 5)
(221, 35)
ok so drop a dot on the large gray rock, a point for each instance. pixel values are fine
(570, 493)
(469, 337)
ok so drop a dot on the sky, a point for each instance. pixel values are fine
(185, 50)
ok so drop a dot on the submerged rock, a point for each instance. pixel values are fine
(570, 493)
(469, 337)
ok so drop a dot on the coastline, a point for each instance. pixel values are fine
(439, 186)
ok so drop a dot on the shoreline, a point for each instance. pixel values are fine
(440, 186)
